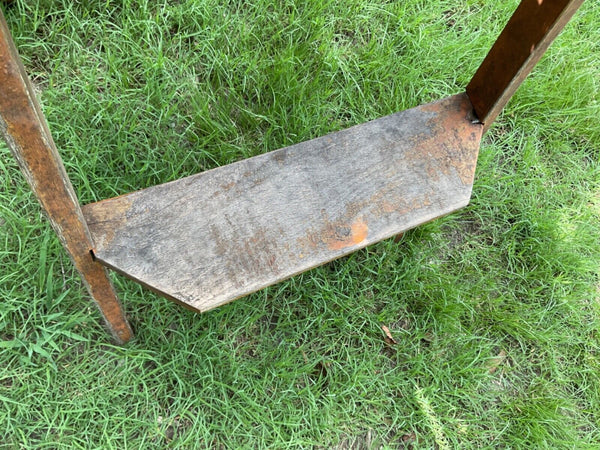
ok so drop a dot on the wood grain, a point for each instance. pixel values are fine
(213, 237)
(26, 133)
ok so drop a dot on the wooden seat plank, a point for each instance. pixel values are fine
(210, 238)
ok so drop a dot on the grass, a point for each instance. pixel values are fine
(493, 311)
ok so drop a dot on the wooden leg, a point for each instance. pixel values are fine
(26, 132)
(527, 35)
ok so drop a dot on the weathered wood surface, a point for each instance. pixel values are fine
(525, 38)
(210, 238)
(26, 132)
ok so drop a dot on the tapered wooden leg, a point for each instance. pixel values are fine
(525, 38)
(26, 132)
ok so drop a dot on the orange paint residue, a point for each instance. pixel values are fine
(358, 233)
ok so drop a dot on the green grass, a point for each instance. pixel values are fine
(495, 309)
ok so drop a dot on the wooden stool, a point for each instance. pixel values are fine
(210, 238)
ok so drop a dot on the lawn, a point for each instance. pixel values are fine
(478, 330)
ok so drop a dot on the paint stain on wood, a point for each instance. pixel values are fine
(343, 238)
(451, 154)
